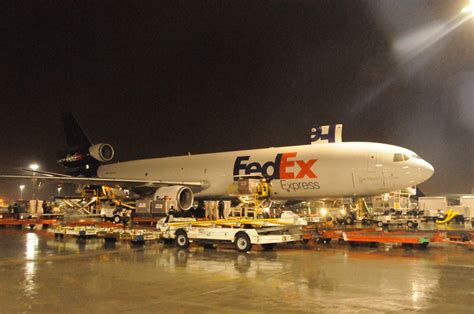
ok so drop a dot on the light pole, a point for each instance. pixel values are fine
(34, 167)
(21, 191)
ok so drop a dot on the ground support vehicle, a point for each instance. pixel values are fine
(243, 233)
(325, 236)
(432, 207)
(80, 231)
(320, 233)
(384, 221)
(407, 239)
(108, 233)
(116, 214)
(29, 222)
(138, 236)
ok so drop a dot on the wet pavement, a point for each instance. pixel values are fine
(41, 274)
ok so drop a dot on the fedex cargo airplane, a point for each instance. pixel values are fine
(331, 168)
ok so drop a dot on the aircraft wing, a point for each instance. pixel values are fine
(46, 173)
(106, 181)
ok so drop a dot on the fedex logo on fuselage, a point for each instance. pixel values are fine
(285, 166)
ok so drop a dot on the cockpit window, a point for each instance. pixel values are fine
(415, 156)
(403, 157)
(397, 157)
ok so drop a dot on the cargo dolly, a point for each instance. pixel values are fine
(79, 231)
(406, 239)
(111, 234)
(138, 236)
(243, 233)
(28, 221)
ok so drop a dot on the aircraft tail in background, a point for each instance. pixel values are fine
(82, 157)
(326, 134)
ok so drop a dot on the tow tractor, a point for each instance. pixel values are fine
(114, 212)
(243, 233)
(386, 220)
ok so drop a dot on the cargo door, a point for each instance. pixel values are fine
(375, 169)
(370, 179)
(372, 162)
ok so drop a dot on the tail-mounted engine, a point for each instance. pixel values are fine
(81, 158)
(102, 152)
(85, 160)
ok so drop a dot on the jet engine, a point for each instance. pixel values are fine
(81, 157)
(181, 196)
(102, 152)
(86, 159)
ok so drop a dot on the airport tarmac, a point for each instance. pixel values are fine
(41, 274)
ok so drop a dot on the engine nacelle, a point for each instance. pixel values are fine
(102, 152)
(181, 196)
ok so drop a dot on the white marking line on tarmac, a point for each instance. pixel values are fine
(457, 265)
(372, 251)
(213, 291)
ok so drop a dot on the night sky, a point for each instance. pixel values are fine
(160, 78)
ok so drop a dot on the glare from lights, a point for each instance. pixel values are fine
(323, 211)
(22, 187)
(31, 245)
(469, 9)
(34, 167)
(343, 211)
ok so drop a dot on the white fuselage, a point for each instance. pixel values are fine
(296, 172)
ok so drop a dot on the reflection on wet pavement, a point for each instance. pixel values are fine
(41, 274)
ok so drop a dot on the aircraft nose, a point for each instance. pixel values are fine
(426, 170)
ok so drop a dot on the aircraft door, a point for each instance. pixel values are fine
(372, 162)
(370, 179)
(375, 168)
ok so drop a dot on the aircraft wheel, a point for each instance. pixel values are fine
(410, 224)
(182, 239)
(103, 219)
(242, 242)
(116, 219)
(380, 224)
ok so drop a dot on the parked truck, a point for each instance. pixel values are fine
(433, 207)
(467, 207)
